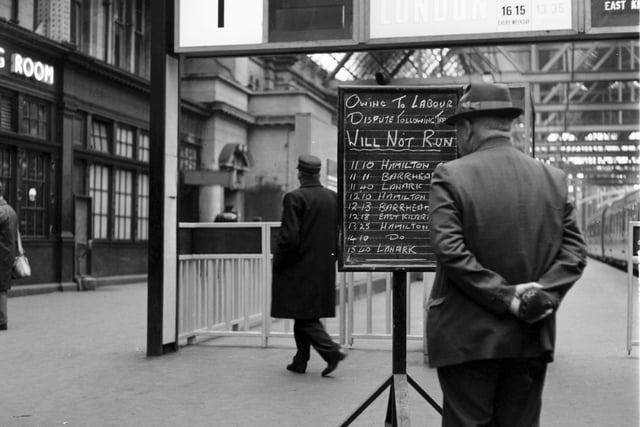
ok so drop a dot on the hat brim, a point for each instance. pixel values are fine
(509, 112)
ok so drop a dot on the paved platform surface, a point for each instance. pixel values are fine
(78, 359)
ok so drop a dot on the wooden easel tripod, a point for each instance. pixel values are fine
(398, 383)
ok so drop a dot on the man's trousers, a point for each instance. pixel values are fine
(493, 393)
(4, 318)
(311, 333)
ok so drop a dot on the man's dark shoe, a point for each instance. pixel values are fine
(3, 327)
(298, 368)
(333, 363)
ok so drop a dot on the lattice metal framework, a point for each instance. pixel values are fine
(585, 95)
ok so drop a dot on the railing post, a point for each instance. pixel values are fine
(408, 303)
(266, 288)
(350, 299)
(369, 300)
(388, 314)
(342, 319)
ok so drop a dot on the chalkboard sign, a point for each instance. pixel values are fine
(390, 140)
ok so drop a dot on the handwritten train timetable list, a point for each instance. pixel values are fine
(390, 141)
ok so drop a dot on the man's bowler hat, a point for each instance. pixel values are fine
(309, 164)
(484, 99)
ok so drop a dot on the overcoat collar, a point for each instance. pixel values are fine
(306, 184)
(494, 142)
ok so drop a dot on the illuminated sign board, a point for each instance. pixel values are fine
(427, 18)
(27, 67)
(612, 15)
(219, 27)
(220, 22)
(254, 25)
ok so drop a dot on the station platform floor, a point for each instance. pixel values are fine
(78, 359)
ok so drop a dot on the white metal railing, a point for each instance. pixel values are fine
(230, 295)
(220, 293)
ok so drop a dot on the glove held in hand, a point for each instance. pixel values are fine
(534, 303)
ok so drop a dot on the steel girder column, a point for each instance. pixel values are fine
(163, 184)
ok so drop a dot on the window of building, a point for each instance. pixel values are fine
(190, 145)
(124, 142)
(140, 39)
(118, 188)
(143, 147)
(35, 118)
(121, 40)
(115, 215)
(79, 129)
(188, 157)
(99, 192)
(123, 194)
(28, 191)
(80, 24)
(34, 167)
(5, 10)
(28, 14)
(7, 110)
(116, 31)
(100, 138)
(6, 167)
(143, 207)
(20, 12)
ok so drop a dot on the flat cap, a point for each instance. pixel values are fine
(309, 164)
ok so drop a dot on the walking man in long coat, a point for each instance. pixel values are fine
(304, 270)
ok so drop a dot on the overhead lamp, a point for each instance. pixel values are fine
(581, 87)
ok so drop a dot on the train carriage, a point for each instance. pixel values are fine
(606, 231)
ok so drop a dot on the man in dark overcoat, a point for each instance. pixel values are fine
(508, 249)
(304, 266)
(8, 250)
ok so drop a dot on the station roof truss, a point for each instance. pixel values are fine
(585, 95)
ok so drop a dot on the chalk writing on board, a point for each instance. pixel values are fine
(391, 139)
